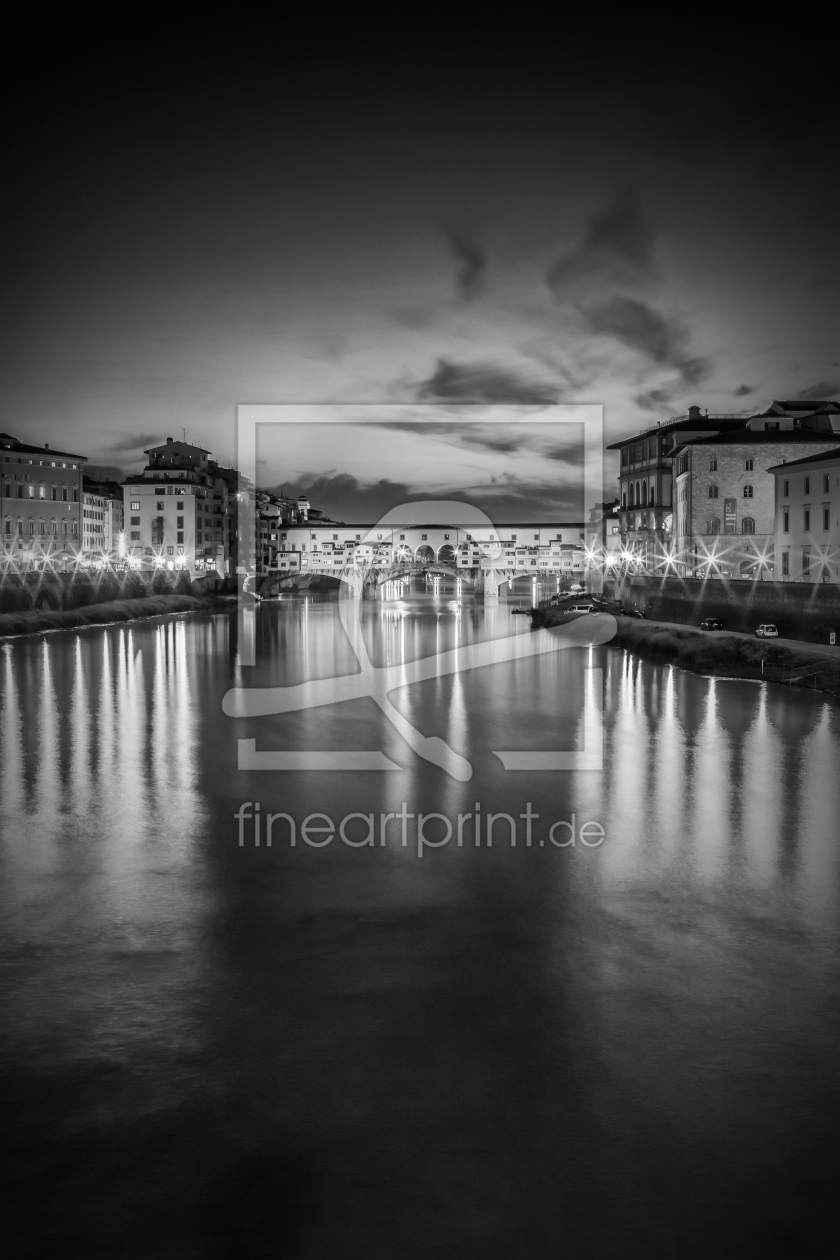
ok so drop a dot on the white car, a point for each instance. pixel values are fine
(767, 631)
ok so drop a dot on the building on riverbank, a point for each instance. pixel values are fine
(102, 521)
(724, 499)
(807, 518)
(696, 498)
(40, 505)
(181, 511)
(603, 544)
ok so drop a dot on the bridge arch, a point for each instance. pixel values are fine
(446, 554)
(425, 554)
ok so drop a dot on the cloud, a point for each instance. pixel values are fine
(642, 328)
(139, 443)
(743, 390)
(481, 382)
(472, 263)
(347, 500)
(821, 391)
(617, 249)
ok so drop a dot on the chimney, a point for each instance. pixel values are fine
(46, 446)
(694, 413)
(169, 441)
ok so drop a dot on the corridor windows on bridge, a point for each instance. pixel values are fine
(748, 492)
(748, 525)
(713, 492)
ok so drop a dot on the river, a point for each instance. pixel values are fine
(625, 1046)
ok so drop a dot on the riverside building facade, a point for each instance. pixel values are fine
(40, 505)
(180, 512)
(807, 518)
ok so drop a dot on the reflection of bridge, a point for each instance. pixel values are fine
(400, 572)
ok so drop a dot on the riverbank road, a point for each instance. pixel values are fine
(795, 645)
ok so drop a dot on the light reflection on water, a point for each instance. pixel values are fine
(637, 1015)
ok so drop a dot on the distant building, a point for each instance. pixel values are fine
(102, 521)
(807, 518)
(603, 543)
(40, 504)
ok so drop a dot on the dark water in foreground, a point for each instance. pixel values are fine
(210, 1050)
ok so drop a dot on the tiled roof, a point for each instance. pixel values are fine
(43, 452)
(807, 459)
(754, 437)
(702, 424)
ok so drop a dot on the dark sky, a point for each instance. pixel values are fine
(195, 218)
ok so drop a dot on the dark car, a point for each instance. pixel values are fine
(711, 623)
(632, 612)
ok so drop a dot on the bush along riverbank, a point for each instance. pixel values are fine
(36, 620)
(723, 654)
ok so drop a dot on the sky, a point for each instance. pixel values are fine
(199, 221)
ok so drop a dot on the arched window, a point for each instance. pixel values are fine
(643, 498)
(713, 492)
(713, 526)
(748, 525)
(748, 492)
(652, 498)
(632, 504)
(713, 464)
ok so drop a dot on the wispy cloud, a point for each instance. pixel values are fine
(822, 390)
(482, 382)
(136, 444)
(471, 260)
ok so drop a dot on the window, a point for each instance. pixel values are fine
(713, 526)
(748, 525)
(713, 492)
(135, 520)
(32, 527)
(424, 537)
(785, 489)
(807, 485)
(772, 424)
(135, 506)
(179, 537)
(713, 464)
(826, 517)
(160, 507)
(748, 465)
(75, 529)
(75, 496)
(748, 492)
(8, 526)
(807, 520)
(335, 537)
(785, 564)
(806, 562)
(180, 551)
(64, 494)
(786, 521)
(170, 551)
(64, 529)
(53, 493)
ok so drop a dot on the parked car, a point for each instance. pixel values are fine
(710, 623)
(582, 608)
(576, 589)
(632, 612)
(767, 631)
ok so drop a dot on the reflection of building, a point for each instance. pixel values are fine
(807, 518)
(181, 511)
(40, 503)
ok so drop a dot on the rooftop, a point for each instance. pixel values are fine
(821, 457)
(676, 423)
(771, 437)
(44, 452)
